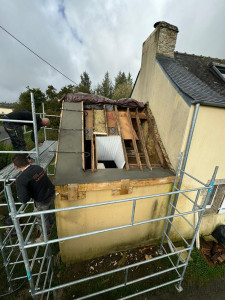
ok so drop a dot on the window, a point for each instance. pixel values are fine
(216, 202)
(219, 70)
(212, 196)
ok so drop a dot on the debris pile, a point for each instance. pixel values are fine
(214, 253)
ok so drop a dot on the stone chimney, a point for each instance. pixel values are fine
(162, 41)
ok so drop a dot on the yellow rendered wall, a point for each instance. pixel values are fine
(206, 152)
(170, 110)
(97, 218)
(4, 110)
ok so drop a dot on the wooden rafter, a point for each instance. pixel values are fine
(92, 147)
(140, 131)
(157, 146)
(106, 123)
(134, 140)
(122, 140)
(82, 134)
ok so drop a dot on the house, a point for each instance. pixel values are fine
(107, 151)
(186, 94)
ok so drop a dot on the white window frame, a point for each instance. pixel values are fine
(222, 207)
(212, 199)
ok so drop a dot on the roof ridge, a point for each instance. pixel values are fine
(201, 56)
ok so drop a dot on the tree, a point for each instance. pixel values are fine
(120, 79)
(51, 92)
(123, 86)
(25, 100)
(66, 90)
(85, 84)
(106, 88)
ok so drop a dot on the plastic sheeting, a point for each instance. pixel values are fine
(100, 100)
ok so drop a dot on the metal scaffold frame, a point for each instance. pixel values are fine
(41, 287)
(8, 175)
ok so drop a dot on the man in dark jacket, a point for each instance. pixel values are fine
(15, 131)
(34, 183)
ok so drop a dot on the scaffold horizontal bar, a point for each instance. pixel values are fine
(111, 271)
(106, 203)
(194, 178)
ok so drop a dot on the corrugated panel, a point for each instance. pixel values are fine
(110, 148)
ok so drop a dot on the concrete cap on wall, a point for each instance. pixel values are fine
(166, 25)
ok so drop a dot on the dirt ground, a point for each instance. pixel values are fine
(214, 289)
(192, 289)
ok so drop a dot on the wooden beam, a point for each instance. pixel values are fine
(96, 153)
(106, 123)
(109, 185)
(142, 115)
(125, 183)
(140, 131)
(134, 140)
(72, 191)
(92, 147)
(122, 140)
(82, 135)
(157, 146)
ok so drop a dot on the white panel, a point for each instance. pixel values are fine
(110, 148)
(222, 208)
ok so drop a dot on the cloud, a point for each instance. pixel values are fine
(95, 36)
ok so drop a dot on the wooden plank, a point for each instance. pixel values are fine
(63, 191)
(111, 122)
(142, 115)
(88, 124)
(125, 183)
(157, 146)
(122, 141)
(140, 131)
(134, 140)
(72, 191)
(82, 135)
(96, 153)
(127, 133)
(106, 124)
(109, 185)
(92, 148)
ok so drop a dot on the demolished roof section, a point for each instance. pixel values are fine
(100, 100)
(128, 139)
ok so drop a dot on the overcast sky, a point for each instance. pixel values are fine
(96, 36)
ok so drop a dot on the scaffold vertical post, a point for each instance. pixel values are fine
(35, 129)
(21, 240)
(5, 263)
(178, 285)
(43, 113)
(170, 202)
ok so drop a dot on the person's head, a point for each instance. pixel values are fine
(45, 122)
(20, 161)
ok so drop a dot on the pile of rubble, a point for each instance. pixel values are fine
(214, 253)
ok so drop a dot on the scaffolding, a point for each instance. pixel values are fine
(40, 275)
(43, 156)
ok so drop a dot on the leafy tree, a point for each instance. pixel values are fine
(106, 88)
(123, 86)
(85, 84)
(66, 90)
(120, 79)
(25, 100)
(51, 93)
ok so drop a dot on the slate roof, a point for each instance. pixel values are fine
(193, 77)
